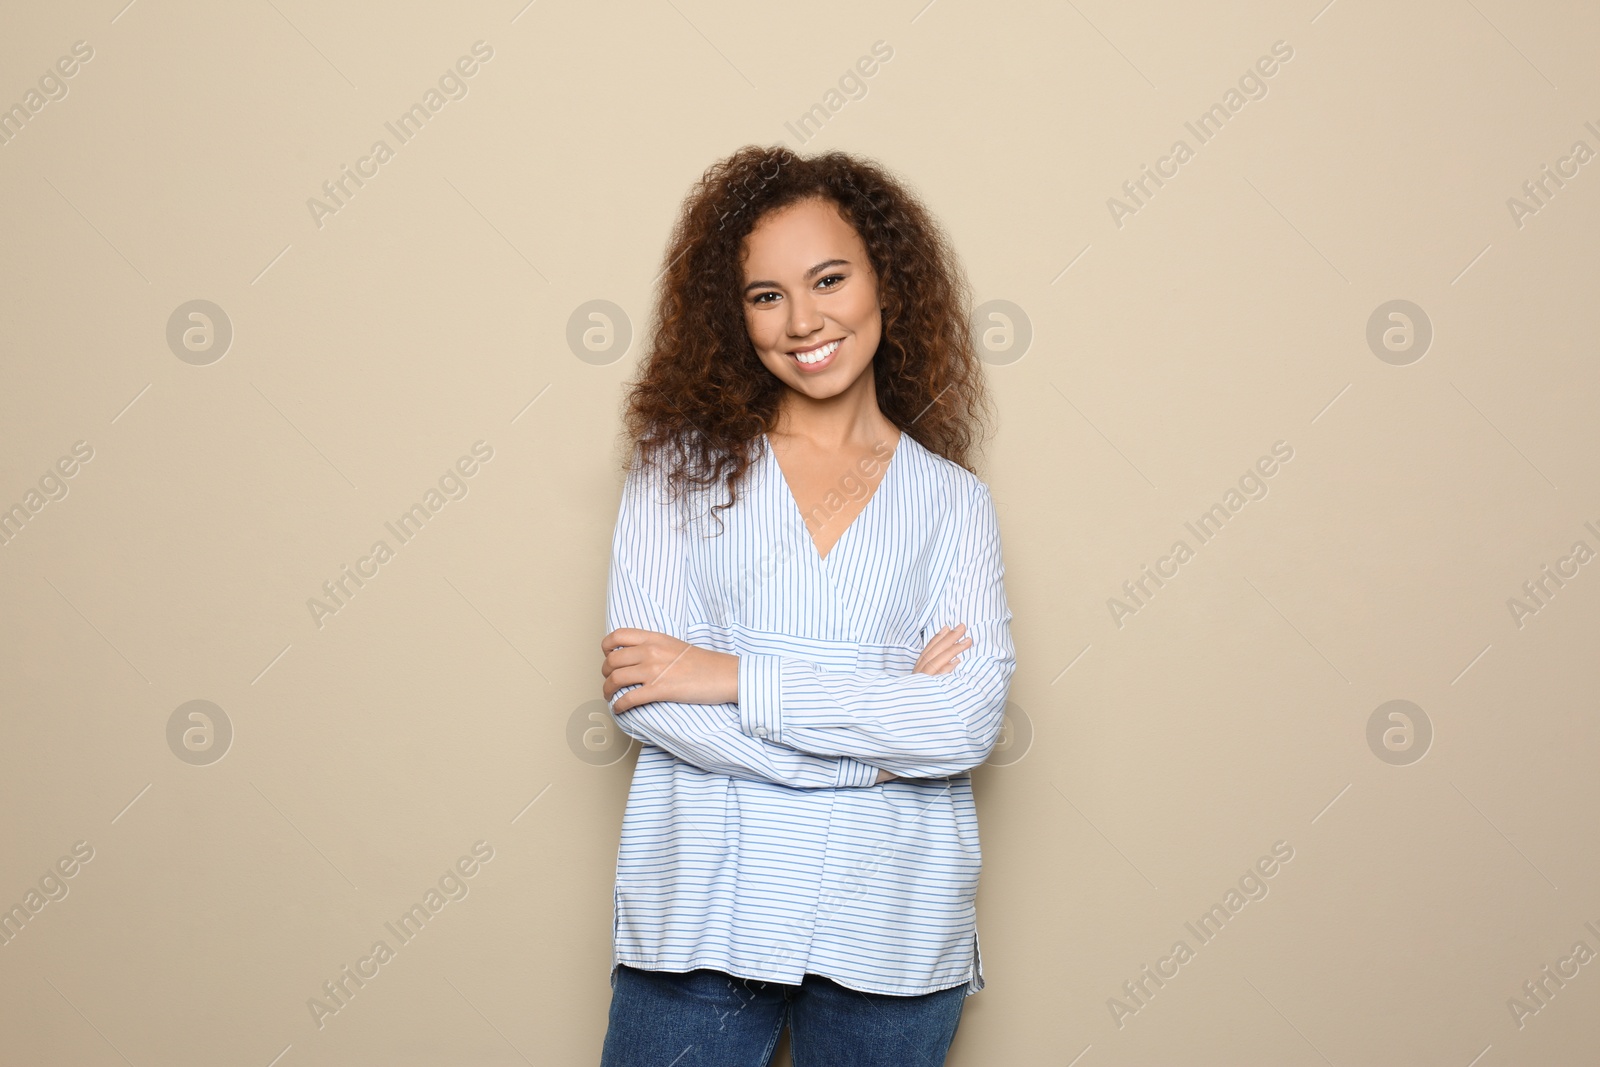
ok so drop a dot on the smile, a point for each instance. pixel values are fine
(819, 357)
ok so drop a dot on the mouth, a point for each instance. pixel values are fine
(818, 356)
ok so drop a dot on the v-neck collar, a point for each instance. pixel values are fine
(805, 531)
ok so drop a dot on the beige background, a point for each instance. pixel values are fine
(1149, 764)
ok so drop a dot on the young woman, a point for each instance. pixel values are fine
(816, 662)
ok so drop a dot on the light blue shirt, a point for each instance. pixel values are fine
(754, 840)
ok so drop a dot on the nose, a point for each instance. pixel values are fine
(804, 317)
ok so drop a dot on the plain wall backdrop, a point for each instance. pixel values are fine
(1307, 289)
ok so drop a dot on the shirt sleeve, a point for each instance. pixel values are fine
(646, 590)
(912, 724)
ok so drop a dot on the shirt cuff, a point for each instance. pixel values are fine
(852, 772)
(761, 697)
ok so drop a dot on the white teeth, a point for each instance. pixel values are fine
(819, 355)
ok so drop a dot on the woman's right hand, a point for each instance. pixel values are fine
(939, 657)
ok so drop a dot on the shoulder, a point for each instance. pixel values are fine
(947, 481)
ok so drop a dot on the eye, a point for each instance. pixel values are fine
(759, 298)
(830, 277)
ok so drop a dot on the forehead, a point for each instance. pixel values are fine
(796, 236)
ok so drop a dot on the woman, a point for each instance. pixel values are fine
(813, 675)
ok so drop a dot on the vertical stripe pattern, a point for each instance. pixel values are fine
(754, 840)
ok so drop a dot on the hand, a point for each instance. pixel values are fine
(944, 651)
(665, 668)
(940, 657)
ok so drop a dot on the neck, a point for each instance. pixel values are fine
(849, 419)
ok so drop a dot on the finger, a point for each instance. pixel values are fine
(942, 640)
(960, 645)
(944, 649)
(622, 637)
(625, 656)
(943, 660)
(631, 699)
(625, 676)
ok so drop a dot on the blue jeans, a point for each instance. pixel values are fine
(708, 1018)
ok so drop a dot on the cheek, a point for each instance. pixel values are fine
(868, 328)
(764, 331)
(864, 312)
(778, 365)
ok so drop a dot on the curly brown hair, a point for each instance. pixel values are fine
(702, 395)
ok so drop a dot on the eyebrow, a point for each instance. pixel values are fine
(818, 269)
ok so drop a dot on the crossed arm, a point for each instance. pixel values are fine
(706, 731)
(785, 719)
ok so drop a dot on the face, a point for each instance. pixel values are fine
(810, 291)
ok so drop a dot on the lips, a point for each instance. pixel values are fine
(817, 355)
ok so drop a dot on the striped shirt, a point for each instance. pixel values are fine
(754, 840)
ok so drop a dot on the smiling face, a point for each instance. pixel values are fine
(810, 299)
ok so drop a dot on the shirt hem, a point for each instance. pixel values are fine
(717, 963)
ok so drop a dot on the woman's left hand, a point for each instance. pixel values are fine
(669, 669)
